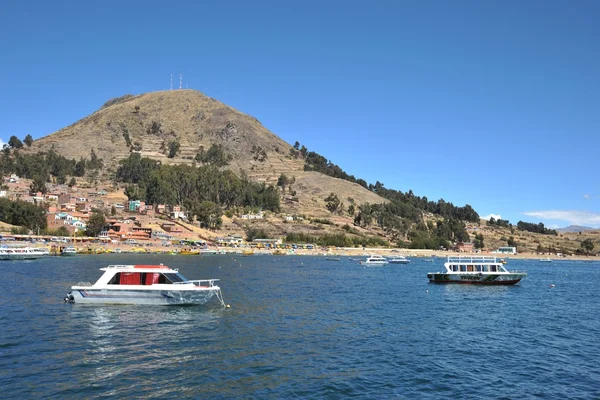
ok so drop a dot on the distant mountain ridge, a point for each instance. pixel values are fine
(575, 228)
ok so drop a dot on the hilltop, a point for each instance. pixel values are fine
(147, 123)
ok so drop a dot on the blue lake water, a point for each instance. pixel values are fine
(303, 327)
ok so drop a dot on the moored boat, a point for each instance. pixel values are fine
(145, 285)
(375, 260)
(547, 259)
(398, 260)
(68, 251)
(476, 270)
(22, 253)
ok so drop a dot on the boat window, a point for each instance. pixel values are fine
(478, 267)
(130, 278)
(486, 268)
(470, 268)
(115, 279)
(171, 278)
(493, 268)
(150, 278)
(463, 268)
(455, 268)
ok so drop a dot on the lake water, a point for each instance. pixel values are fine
(303, 327)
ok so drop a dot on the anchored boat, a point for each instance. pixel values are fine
(476, 270)
(375, 260)
(22, 253)
(144, 284)
(398, 260)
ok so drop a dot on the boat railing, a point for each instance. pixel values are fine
(472, 260)
(199, 282)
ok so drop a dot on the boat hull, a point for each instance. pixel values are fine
(399, 261)
(476, 279)
(142, 297)
(374, 264)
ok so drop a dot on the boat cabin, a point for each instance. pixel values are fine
(474, 264)
(144, 278)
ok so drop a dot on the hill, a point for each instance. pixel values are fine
(148, 123)
(574, 228)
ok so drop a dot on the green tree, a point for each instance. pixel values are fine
(332, 202)
(14, 142)
(96, 224)
(283, 182)
(113, 211)
(38, 185)
(174, 146)
(79, 169)
(511, 242)
(72, 182)
(351, 210)
(28, 140)
(208, 214)
(587, 245)
(478, 242)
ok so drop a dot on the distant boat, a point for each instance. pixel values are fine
(68, 251)
(375, 260)
(547, 259)
(332, 259)
(22, 253)
(399, 260)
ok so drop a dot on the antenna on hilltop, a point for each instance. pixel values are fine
(180, 81)
(171, 87)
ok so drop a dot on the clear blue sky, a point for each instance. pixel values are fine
(490, 103)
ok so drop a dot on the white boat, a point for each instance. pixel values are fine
(375, 260)
(547, 259)
(146, 285)
(68, 251)
(22, 253)
(398, 260)
(476, 270)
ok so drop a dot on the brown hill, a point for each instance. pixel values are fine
(147, 123)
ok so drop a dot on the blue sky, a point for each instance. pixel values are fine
(487, 103)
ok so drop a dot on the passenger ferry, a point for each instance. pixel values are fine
(146, 285)
(375, 260)
(22, 253)
(476, 270)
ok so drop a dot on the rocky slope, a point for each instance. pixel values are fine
(147, 123)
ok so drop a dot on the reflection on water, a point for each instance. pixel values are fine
(143, 339)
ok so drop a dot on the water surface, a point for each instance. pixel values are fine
(303, 327)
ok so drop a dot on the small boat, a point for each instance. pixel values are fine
(22, 253)
(399, 260)
(145, 285)
(547, 259)
(332, 258)
(375, 260)
(476, 270)
(68, 251)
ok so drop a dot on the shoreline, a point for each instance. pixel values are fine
(151, 248)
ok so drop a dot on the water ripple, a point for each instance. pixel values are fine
(303, 328)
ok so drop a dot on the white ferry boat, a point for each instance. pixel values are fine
(399, 260)
(22, 253)
(375, 260)
(144, 284)
(68, 251)
(476, 270)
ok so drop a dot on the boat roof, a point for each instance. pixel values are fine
(472, 260)
(139, 268)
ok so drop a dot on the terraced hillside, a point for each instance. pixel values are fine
(148, 123)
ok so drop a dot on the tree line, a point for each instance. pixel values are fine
(203, 190)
